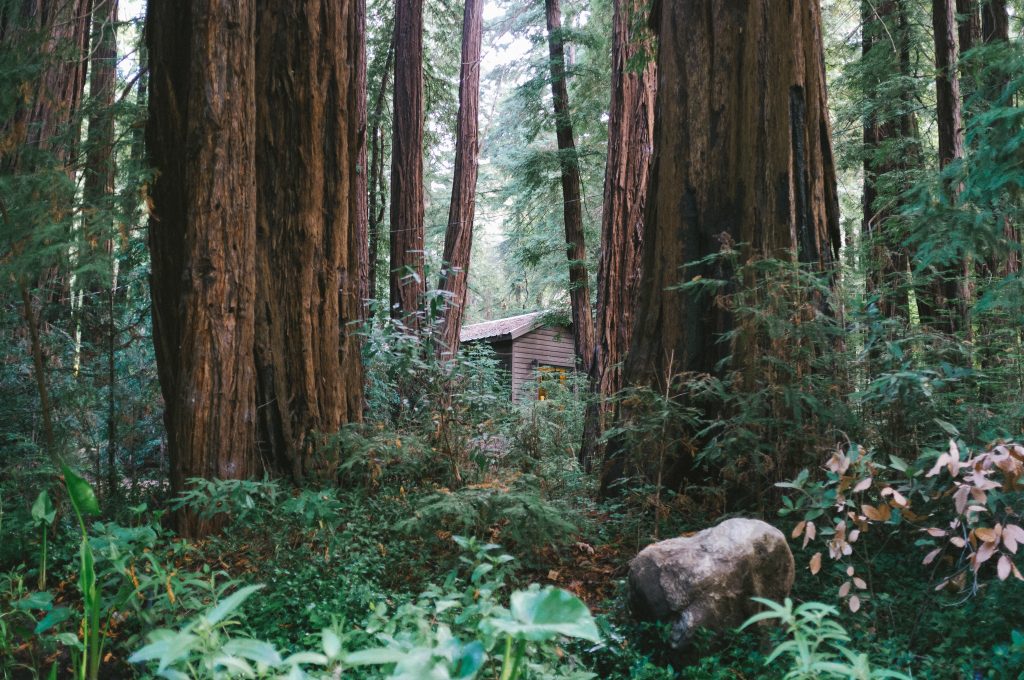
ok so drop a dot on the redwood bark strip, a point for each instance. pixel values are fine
(630, 139)
(458, 238)
(203, 235)
(407, 207)
(308, 226)
(579, 287)
(356, 55)
(743, 156)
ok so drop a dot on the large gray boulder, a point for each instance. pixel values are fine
(707, 580)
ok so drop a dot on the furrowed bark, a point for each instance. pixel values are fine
(579, 287)
(407, 206)
(458, 239)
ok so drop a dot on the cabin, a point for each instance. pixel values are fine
(532, 352)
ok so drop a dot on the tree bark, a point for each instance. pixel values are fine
(630, 138)
(203, 236)
(743, 157)
(458, 238)
(309, 226)
(407, 207)
(946, 306)
(995, 21)
(579, 287)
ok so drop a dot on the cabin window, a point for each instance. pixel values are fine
(547, 377)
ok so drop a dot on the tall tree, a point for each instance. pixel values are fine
(458, 238)
(630, 136)
(407, 208)
(253, 129)
(743, 157)
(202, 235)
(572, 197)
(945, 306)
(890, 148)
(309, 231)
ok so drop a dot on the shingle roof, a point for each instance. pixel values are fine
(512, 327)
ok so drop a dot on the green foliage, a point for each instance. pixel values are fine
(816, 644)
(420, 639)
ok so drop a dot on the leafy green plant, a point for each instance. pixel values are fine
(816, 645)
(43, 514)
(83, 501)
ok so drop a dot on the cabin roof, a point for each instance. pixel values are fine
(508, 328)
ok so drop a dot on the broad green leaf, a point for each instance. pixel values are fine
(544, 613)
(311, 658)
(81, 493)
(43, 511)
(331, 642)
(253, 650)
(31, 601)
(54, 617)
(471, 660)
(229, 604)
(374, 657)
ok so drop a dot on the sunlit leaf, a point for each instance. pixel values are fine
(854, 604)
(815, 563)
(1003, 567)
(81, 493)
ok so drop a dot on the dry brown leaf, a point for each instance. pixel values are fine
(844, 589)
(798, 529)
(815, 564)
(930, 557)
(863, 485)
(859, 582)
(1003, 567)
(936, 532)
(854, 604)
(985, 534)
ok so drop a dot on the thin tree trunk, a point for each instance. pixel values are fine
(203, 236)
(458, 239)
(358, 207)
(308, 248)
(579, 287)
(407, 238)
(744, 157)
(630, 139)
(376, 185)
(97, 310)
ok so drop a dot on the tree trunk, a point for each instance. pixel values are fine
(377, 181)
(203, 235)
(358, 205)
(995, 21)
(579, 287)
(945, 308)
(743, 157)
(407, 207)
(97, 310)
(886, 48)
(458, 239)
(308, 226)
(630, 137)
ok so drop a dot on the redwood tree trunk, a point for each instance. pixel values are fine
(458, 239)
(407, 240)
(945, 307)
(743, 157)
(309, 227)
(579, 287)
(203, 235)
(630, 138)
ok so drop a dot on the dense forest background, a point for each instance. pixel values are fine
(238, 241)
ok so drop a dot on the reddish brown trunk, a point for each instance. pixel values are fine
(579, 287)
(458, 239)
(203, 235)
(630, 137)
(406, 276)
(995, 21)
(358, 207)
(744, 157)
(309, 227)
(945, 308)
